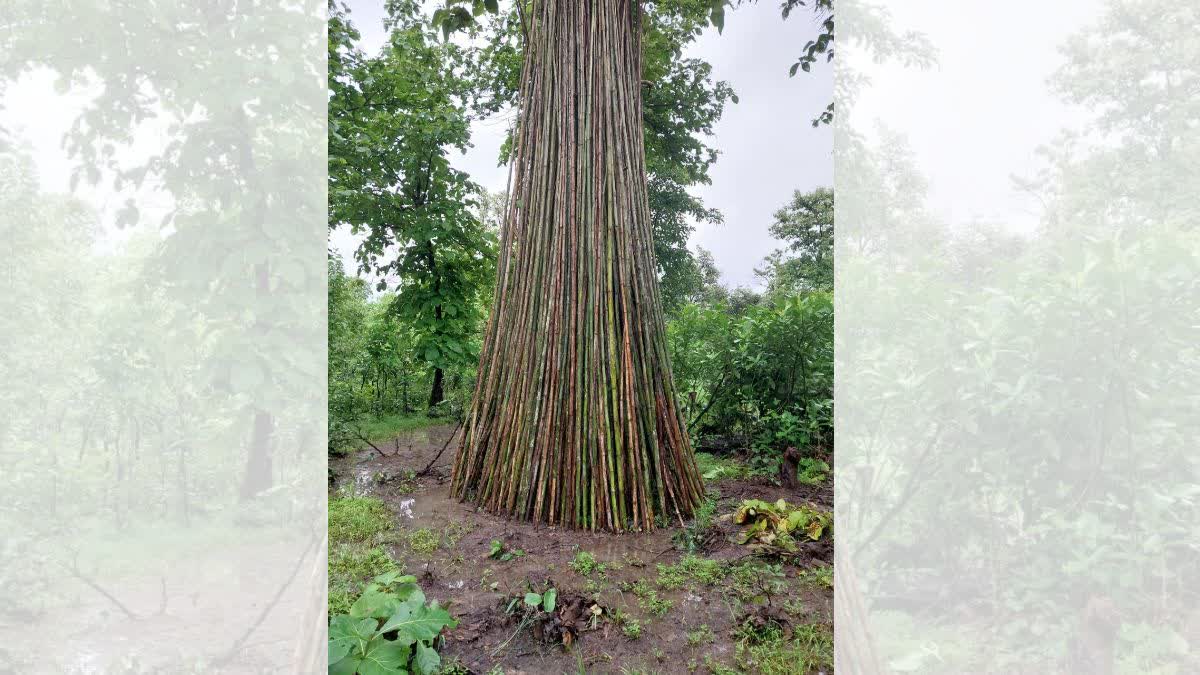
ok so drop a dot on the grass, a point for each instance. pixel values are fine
(691, 569)
(821, 576)
(718, 468)
(357, 519)
(390, 426)
(701, 636)
(770, 652)
(648, 598)
(424, 541)
(584, 564)
(355, 526)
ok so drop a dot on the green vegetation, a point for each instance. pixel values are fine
(772, 528)
(356, 554)
(424, 541)
(701, 636)
(631, 628)
(503, 553)
(717, 468)
(388, 629)
(584, 564)
(771, 651)
(358, 520)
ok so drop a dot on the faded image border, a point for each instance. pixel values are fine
(162, 432)
(1016, 478)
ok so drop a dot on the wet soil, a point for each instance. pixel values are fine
(476, 589)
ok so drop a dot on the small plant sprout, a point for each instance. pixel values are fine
(502, 553)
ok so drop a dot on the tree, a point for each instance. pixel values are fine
(393, 119)
(574, 420)
(806, 226)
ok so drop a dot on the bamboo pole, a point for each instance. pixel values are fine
(574, 420)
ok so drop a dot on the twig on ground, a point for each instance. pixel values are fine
(241, 641)
(438, 456)
(74, 570)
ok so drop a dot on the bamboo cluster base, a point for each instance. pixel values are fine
(574, 421)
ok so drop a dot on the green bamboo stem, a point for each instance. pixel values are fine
(574, 421)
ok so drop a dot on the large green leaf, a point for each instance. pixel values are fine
(347, 666)
(374, 603)
(425, 661)
(384, 657)
(413, 621)
(352, 632)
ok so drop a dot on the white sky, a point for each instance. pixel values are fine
(768, 147)
(975, 120)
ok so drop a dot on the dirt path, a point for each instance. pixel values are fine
(476, 588)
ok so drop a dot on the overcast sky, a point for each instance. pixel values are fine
(768, 147)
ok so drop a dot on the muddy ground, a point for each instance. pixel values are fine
(477, 588)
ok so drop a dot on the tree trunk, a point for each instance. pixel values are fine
(258, 475)
(438, 393)
(574, 420)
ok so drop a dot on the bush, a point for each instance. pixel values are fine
(764, 371)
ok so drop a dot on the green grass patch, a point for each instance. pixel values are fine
(355, 556)
(701, 636)
(770, 652)
(691, 569)
(424, 541)
(584, 564)
(390, 426)
(718, 468)
(357, 519)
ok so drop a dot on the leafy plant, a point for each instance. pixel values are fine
(389, 629)
(584, 564)
(771, 527)
(502, 553)
(424, 541)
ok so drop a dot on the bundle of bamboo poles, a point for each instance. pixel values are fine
(574, 420)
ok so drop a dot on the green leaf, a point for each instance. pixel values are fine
(384, 657)
(414, 622)
(533, 599)
(493, 6)
(548, 600)
(356, 633)
(347, 666)
(374, 603)
(718, 17)
(426, 661)
(795, 67)
(734, 98)
(338, 650)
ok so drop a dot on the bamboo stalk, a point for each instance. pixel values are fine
(574, 420)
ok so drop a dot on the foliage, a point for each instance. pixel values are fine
(358, 519)
(766, 372)
(806, 227)
(389, 629)
(772, 528)
(719, 468)
(392, 120)
(584, 564)
(424, 541)
(503, 553)
(784, 650)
